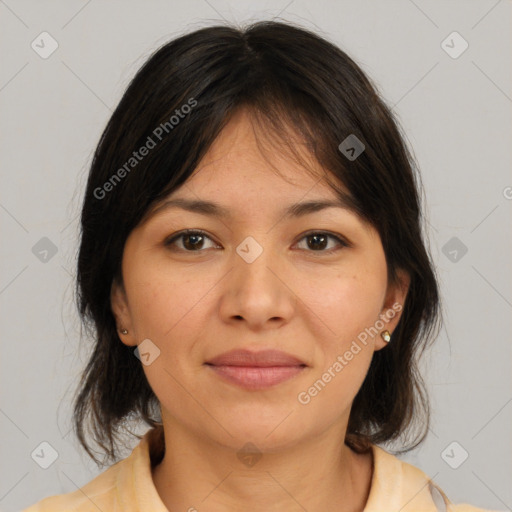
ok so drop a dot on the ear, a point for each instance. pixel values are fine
(393, 306)
(121, 312)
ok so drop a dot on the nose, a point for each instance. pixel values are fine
(257, 290)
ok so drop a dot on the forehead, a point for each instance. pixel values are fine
(247, 174)
(247, 157)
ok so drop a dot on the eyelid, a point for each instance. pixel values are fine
(172, 238)
(342, 241)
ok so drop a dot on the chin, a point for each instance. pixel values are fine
(268, 435)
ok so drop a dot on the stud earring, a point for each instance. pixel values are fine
(124, 331)
(386, 336)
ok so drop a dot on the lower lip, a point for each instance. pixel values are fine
(253, 377)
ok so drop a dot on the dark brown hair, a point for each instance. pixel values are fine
(297, 85)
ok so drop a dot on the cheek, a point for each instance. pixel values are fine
(160, 296)
(346, 303)
(169, 308)
(348, 307)
(152, 304)
(173, 309)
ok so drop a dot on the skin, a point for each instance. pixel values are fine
(305, 301)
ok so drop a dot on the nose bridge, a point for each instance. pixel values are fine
(254, 259)
(250, 250)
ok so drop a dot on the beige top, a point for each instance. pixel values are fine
(128, 486)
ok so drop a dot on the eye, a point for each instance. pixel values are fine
(192, 240)
(318, 240)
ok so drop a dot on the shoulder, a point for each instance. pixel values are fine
(99, 493)
(124, 486)
(405, 487)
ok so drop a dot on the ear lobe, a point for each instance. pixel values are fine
(393, 306)
(121, 312)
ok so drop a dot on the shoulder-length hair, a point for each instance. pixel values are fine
(302, 89)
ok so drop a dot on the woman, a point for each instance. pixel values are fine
(253, 273)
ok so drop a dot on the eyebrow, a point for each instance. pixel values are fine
(216, 210)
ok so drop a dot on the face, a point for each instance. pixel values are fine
(310, 285)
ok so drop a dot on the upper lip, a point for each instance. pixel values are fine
(263, 358)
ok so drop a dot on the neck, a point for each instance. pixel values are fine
(316, 475)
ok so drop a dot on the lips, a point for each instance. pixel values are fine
(256, 371)
(261, 359)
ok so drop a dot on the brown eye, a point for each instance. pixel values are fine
(318, 241)
(195, 240)
(191, 241)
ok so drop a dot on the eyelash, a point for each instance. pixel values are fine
(170, 241)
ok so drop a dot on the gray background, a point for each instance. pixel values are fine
(457, 116)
